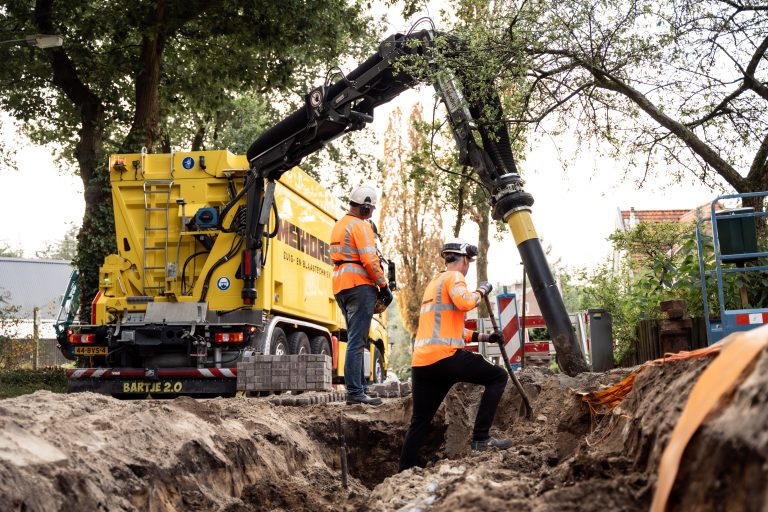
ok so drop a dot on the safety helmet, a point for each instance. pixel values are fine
(459, 246)
(364, 194)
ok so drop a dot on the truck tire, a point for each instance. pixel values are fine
(278, 345)
(378, 367)
(298, 343)
(320, 345)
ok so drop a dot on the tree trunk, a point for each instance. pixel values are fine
(460, 207)
(96, 238)
(758, 203)
(145, 129)
(197, 140)
(483, 244)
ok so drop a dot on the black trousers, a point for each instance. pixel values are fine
(430, 385)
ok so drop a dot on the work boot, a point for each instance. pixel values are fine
(491, 442)
(362, 399)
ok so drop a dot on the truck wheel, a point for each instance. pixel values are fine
(279, 345)
(320, 345)
(378, 367)
(298, 343)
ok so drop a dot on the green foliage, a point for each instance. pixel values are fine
(95, 240)
(63, 249)
(644, 79)
(157, 73)
(662, 264)
(14, 352)
(400, 348)
(7, 251)
(21, 382)
(613, 291)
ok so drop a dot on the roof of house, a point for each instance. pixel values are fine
(28, 283)
(632, 217)
(654, 215)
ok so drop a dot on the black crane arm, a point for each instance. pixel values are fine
(348, 104)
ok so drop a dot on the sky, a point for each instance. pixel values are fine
(575, 209)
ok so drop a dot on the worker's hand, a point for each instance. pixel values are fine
(495, 337)
(484, 288)
(385, 295)
(482, 337)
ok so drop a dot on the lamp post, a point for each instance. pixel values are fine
(38, 41)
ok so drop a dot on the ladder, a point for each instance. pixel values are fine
(157, 198)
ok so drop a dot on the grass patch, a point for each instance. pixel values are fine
(21, 382)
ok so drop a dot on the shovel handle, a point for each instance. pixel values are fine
(508, 365)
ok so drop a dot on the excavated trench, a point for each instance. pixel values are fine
(85, 451)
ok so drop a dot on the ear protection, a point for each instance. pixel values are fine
(366, 209)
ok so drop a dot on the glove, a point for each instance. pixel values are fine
(495, 337)
(484, 288)
(385, 295)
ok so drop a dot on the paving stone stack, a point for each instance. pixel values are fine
(305, 372)
(387, 390)
(390, 389)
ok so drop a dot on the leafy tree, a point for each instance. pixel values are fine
(7, 251)
(434, 161)
(411, 221)
(653, 245)
(14, 351)
(64, 249)
(400, 339)
(141, 74)
(661, 263)
(8, 146)
(611, 290)
(674, 85)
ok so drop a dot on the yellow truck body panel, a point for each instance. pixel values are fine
(173, 249)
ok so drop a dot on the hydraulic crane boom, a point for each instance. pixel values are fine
(348, 105)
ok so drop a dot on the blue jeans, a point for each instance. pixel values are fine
(357, 306)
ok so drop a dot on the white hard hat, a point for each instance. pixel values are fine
(459, 246)
(364, 194)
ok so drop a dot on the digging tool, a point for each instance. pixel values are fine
(526, 400)
(343, 455)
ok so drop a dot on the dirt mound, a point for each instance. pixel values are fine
(90, 452)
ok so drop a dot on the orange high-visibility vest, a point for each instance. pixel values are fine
(353, 253)
(441, 322)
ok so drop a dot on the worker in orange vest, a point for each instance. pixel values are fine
(439, 361)
(358, 281)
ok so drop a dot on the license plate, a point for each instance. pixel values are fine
(90, 351)
(166, 386)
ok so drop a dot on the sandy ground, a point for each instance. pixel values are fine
(91, 452)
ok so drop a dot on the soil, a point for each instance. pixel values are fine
(92, 452)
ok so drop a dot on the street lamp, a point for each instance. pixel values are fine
(38, 41)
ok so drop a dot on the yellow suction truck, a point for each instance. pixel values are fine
(184, 299)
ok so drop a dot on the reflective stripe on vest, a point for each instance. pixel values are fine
(350, 268)
(352, 265)
(438, 308)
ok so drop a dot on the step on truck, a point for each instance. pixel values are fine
(182, 301)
